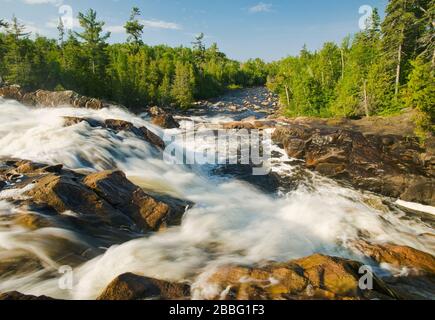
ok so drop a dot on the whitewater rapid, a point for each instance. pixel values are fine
(232, 222)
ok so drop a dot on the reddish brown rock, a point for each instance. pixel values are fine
(314, 277)
(46, 98)
(146, 210)
(390, 165)
(163, 119)
(398, 256)
(133, 287)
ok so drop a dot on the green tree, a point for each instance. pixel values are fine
(420, 95)
(17, 57)
(134, 28)
(401, 30)
(183, 85)
(95, 51)
(95, 41)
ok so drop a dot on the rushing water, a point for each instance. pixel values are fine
(232, 221)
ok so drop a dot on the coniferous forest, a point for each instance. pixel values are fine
(379, 71)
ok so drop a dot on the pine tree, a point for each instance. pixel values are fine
(401, 30)
(94, 40)
(420, 95)
(427, 41)
(134, 28)
(16, 58)
(182, 87)
(61, 32)
(199, 48)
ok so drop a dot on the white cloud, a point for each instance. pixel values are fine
(53, 2)
(115, 29)
(261, 7)
(159, 24)
(148, 24)
(54, 22)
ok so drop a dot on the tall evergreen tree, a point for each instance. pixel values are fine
(92, 35)
(95, 51)
(182, 87)
(134, 28)
(401, 29)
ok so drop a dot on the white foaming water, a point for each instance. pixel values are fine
(232, 222)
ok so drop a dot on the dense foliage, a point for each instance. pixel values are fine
(130, 73)
(381, 70)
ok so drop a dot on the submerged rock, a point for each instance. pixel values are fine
(133, 287)
(314, 277)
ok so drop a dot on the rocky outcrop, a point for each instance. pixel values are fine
(46, 98)
(17, 296)
(398, 256)
(98, 199)
(118, 126)
(414, 277)
(163, 119)
(391, 165)
(314, 277)
(147, 211)
(133, 287)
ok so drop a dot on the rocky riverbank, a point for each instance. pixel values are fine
(104, 209)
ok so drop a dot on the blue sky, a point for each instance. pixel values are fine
(269, 29)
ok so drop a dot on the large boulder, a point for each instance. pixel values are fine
(163, 119)
(101, 199)
(147, 211)
(314, 277)
(134, 287)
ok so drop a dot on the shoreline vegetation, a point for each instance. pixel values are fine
(380, 71)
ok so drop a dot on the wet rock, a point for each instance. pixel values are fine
(2, 184)
(17, 296)
(118, 126)
(314, 277)
(388, 165)
(414, 275)
(133, 287)
(398, 256)
(45, 98)
(64, 193)
(70, 121)
(147, 211)
(166, 121)
(152, 138)
(163, 119)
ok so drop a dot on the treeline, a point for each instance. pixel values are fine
(381, 70)
(130, 73)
